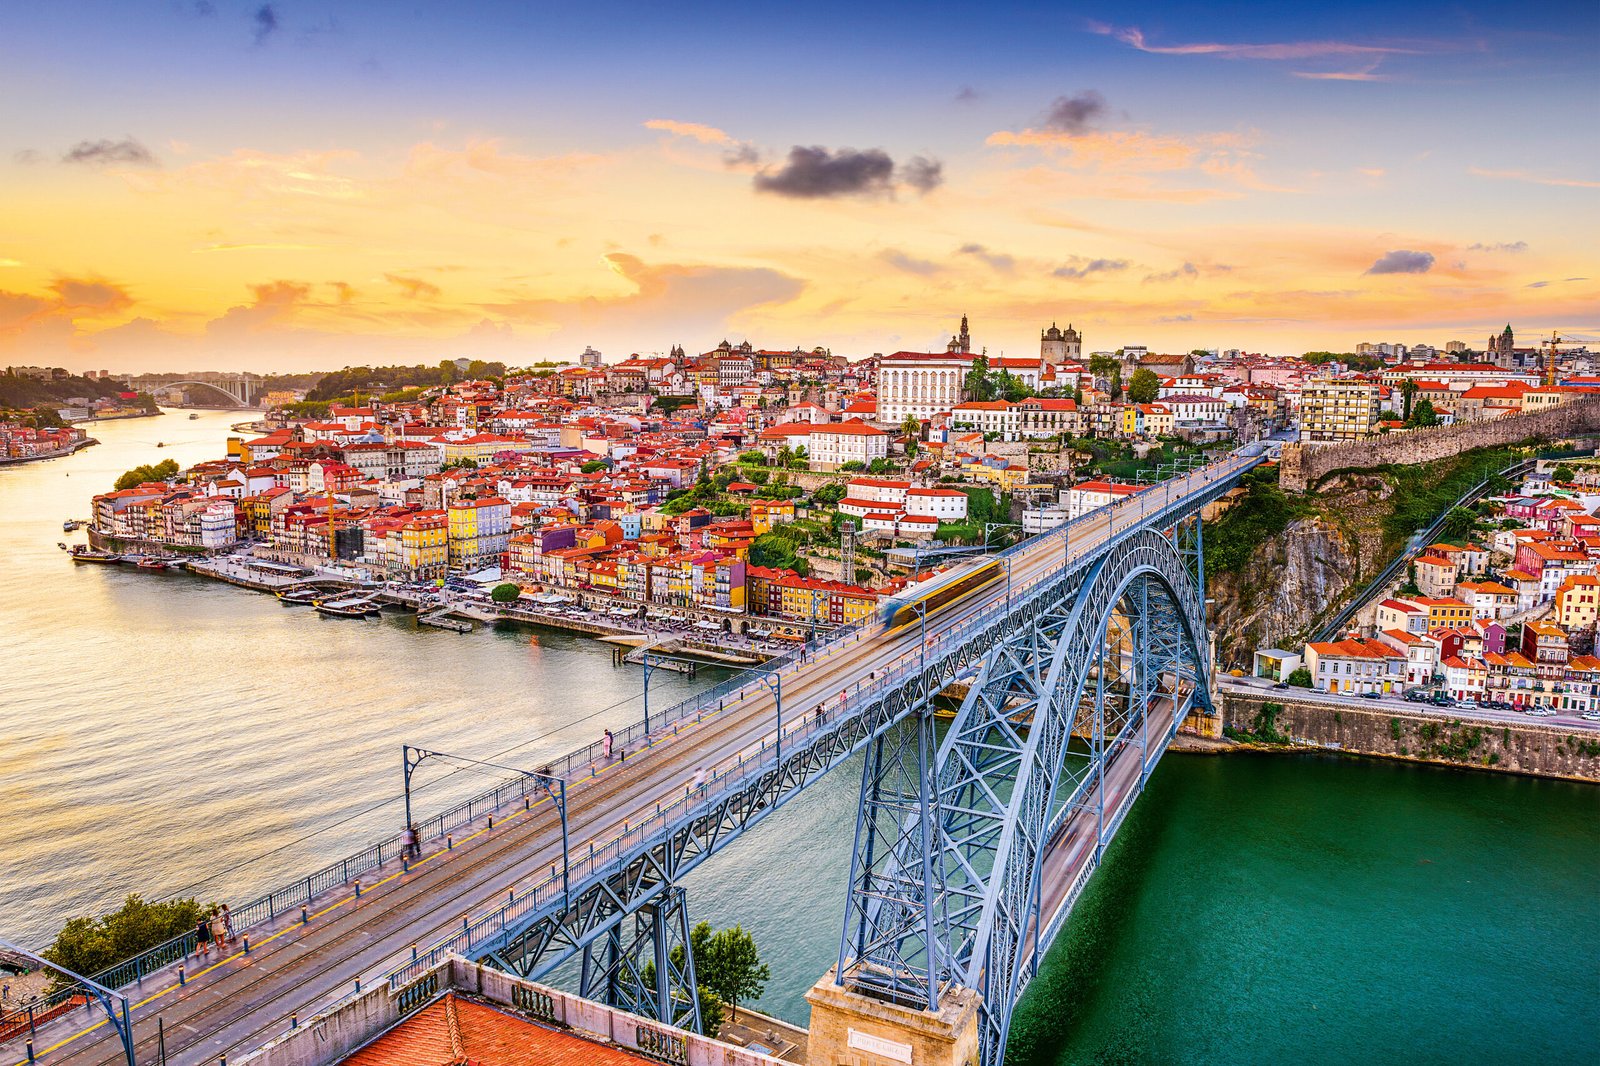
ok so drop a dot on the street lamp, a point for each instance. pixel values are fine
(554, 787)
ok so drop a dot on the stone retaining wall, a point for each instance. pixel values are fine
(1303, 465)
(1420, 736)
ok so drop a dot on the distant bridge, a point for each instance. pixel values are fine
(968, 854)
(244, 389)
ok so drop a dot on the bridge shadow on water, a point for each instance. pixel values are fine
(1071, 976)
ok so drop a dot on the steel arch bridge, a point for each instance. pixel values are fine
(947, 878)
(969, 854)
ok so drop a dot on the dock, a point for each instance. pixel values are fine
(443, 620)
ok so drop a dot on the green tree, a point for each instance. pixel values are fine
(753, 457)
(1423, 415)
(1300, 677)
(162, 471)
(911, 428)
(505, 593)
(732, 967)
(89, 945)
(1458, 525)
(828, 495)
(594, 466)
(1144, 386)
(1408, 390)
(853, 466)
(1562, 473)
(978, 384)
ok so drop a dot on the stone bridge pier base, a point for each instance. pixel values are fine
(849, 1029)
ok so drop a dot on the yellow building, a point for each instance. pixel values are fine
(424, 545)
(1334, 409)
(1446, 613)
(764, 514)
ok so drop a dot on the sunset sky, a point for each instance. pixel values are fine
(302, 185)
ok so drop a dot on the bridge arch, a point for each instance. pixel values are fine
(958, 902)
(241, 397)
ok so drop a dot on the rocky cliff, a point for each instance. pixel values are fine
(1292, 579)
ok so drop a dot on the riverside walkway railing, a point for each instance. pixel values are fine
(578, 763)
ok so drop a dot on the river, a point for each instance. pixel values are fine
(162, 734)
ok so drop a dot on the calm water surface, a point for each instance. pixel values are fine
(163, 734)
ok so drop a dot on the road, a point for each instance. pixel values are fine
(234, 1004)
(1263, 686)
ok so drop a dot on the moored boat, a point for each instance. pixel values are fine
(89, 555)
(299, 597)
(358, 608)
(153, 564)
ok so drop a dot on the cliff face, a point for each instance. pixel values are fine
(1299, 576)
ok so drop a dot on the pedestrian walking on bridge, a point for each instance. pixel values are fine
(609, 741)
(202, 937)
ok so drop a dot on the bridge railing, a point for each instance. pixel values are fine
(490, 930)
(574, 765)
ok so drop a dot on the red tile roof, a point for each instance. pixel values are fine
(454, 1030)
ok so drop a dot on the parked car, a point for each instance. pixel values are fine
(1281, 684)
(1372, 695)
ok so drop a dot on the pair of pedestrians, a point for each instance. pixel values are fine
(215, 927)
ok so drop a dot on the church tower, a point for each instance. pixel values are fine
(1502, 348)
(961, 343)
(1060, 345)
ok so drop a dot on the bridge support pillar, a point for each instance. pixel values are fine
(850, 1029)
(644, 965)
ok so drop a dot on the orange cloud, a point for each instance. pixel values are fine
(702, 133)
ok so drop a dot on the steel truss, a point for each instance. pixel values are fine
(945, 886)
(990, 762)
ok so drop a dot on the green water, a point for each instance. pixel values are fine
(1322, 910)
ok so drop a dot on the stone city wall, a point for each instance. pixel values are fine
(1304, 465)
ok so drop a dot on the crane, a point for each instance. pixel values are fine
(1550, 358)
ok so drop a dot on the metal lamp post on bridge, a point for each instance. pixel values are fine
(554, 787)
(114, 1003)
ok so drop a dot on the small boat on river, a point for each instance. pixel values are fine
(89, 555)
(302, 597)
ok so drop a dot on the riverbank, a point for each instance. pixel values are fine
(1295, 719)
(59, 453)
(122, 417)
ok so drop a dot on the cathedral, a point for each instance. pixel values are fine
(1500, 350)
(1060, 345)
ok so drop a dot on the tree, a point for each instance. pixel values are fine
(1408, 390)
(89, 945)
(731, 967)
(1562, 474)
(162, 471)
(853, 466)
(1144, 386)
(1458, 525)
(507, 592)
(1200, 353)
(880, 466)
(912, 428)
(828, 495)
(1300, 677)
(978, 384)
(753, 457)
(594, 466)
(1423, 415)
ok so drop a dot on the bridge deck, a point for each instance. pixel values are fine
(235, 1004)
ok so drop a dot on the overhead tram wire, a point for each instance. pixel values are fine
(241, 864)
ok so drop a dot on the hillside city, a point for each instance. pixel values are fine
(772, 493)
